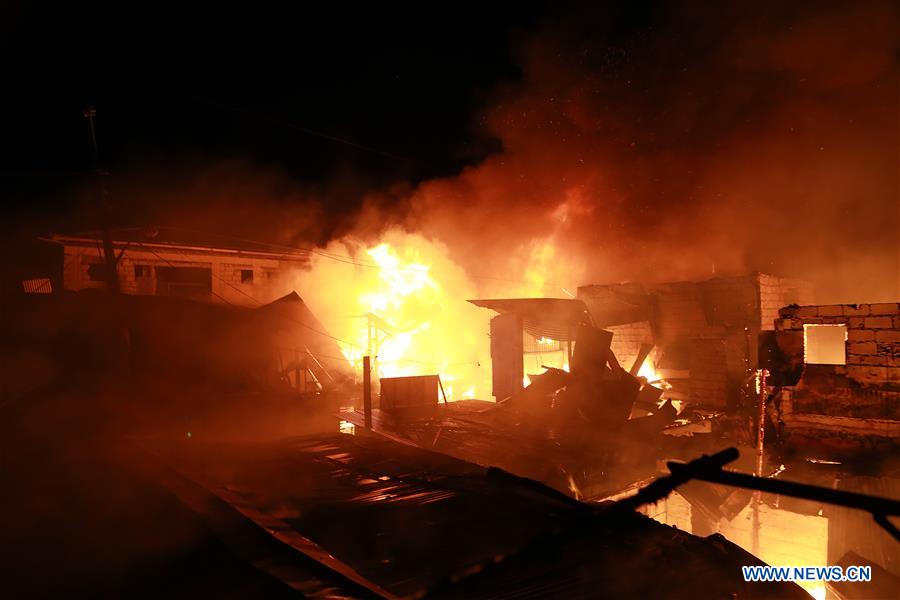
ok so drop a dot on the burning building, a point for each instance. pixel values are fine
(704, 334)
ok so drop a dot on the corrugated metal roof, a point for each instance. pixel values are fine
(416, 522)
(554, 318)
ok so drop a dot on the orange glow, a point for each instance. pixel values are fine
(649, 372)
(403, 300)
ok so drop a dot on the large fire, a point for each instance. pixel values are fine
(403, 301)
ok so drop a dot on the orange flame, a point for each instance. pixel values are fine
(403, 301)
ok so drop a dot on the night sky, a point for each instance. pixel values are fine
(384, 94)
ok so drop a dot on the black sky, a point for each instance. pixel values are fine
(179, 88)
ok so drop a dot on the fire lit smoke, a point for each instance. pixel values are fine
(403, 301)
(764, 141)
(766, 144)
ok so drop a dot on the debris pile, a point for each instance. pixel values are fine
(598, 391)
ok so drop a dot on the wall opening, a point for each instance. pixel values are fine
(184, 282)
(824, 344)
(246, 275)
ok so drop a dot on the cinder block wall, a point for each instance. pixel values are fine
(627, 340)
(873, 337)
(226, 273)
(860, 399)
(777, 292)
(716, 322)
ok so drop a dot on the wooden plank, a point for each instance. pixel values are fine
(591, 349)
(642, 355)
(403, 392)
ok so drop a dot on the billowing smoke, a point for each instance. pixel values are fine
(699, 142)
(704, 140)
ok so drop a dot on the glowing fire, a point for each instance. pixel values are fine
(403, 301)
(649, 372)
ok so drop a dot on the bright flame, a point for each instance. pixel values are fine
(574, 488)
(648, 371)
(403, 301)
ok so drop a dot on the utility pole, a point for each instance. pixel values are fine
(367, 392)
(109, 253)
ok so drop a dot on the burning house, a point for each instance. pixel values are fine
(172, 262)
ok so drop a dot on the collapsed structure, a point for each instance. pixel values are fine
(705, 334)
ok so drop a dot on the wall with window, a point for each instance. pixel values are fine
(207, 276)
(849, 359)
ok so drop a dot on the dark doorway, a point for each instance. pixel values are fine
(184, 282)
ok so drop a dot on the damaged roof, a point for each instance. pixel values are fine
(181, 239)
(554, 318)
(415, 523)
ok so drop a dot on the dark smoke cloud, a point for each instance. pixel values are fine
(700, 139)
(663, 142)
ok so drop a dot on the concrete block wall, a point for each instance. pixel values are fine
(709, 373)
(227, 284)
(673, 510)
(777, 292)
(873, 337)
(679, 311)
(731, 301)
(127, 279)
(860, 399)
(785, 537)
(627, 340)
(719, 319)
(268, 281)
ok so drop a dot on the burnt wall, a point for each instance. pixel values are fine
(777, 292)
(627, 340)
(706, 332)
(859, 398)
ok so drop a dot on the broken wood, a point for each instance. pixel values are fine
(591, 349)
(642, 355)
(367, 391)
